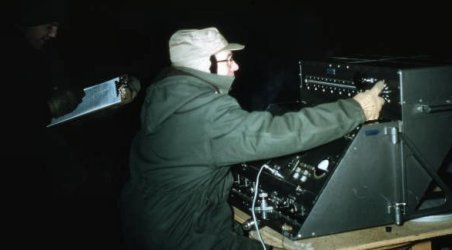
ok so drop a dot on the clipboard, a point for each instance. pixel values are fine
(97, 97)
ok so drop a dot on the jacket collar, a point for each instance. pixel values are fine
(221, 83)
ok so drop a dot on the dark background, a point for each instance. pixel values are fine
(102, 39)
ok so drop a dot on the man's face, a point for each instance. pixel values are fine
(39, 35)
(226, 65)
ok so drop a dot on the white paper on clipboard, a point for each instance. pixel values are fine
(97, 97)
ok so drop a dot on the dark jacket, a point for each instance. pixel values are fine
(191, 132)
(41, 166)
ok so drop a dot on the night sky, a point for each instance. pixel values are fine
(102, 38)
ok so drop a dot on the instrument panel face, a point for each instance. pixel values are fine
(288, 186)
(325, 82)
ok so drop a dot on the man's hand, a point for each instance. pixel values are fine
(370, 101)
(130, 90)
(65, 100)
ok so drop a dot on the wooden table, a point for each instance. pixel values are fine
(416, 234)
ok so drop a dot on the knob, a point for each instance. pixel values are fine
(323, 165)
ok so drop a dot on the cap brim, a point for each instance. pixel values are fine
(233, 46)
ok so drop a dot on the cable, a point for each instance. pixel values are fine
(256, 191)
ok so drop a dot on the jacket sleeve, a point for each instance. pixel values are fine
(240, 136)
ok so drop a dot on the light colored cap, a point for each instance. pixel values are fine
(192, 48)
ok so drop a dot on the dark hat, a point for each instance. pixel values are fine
(37, 12)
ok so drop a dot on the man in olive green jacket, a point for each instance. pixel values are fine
(192, 131)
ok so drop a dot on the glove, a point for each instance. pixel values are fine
(130, 90)
(63, 101)
(134, 85)
(370, 101)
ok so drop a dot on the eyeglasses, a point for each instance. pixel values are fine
(229, 60)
